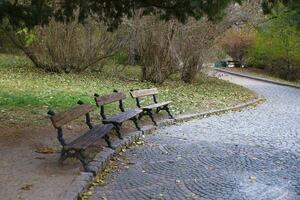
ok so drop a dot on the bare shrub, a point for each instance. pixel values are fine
(76, 46)
(194, 45)
(168, 47)
(154, 47)
(71, 46)
(237, 42)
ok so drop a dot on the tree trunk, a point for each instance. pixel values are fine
(26, 51)
(189, 73)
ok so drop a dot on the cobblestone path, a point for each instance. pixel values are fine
(253, 154)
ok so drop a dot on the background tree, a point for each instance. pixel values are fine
(75, 47)
(154, 41)
(276, 47)
(292, 7)
(237, 42)
(249, 13)
(191, 44)
(26, 15)
(168, 47)
(194, 46)
(35, 12)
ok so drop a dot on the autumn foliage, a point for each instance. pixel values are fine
(236, 43)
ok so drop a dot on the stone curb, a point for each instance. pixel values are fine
(257, 78)
(77, 187)
(187, 117)
(99, 163)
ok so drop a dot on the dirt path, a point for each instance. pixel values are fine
(26, 174)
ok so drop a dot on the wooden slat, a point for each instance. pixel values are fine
(90, 137)
(144, 92)
(156, 105)
(116, 96)
(62, 118)
(123, 116)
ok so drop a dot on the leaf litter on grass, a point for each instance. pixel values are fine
(24, 87)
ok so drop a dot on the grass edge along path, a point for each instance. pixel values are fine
(262, 74)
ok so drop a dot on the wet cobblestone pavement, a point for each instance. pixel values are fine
(253, 154)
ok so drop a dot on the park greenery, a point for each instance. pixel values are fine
(272, 44)
(276, 48)
(67, 50)
(30, 13)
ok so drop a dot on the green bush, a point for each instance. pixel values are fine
(121, 57)
(276, 48)
(6, 46)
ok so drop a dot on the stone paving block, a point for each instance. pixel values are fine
(165, 122)
(78, 185)
(148, 129)
(185, 117)
(99, 157)
(107, 153)
(93, 169)
(84, 176)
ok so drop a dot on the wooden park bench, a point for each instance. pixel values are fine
(124, 115)
(148, 110)
(233, 63)
(77, 147)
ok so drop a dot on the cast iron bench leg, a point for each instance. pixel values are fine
(135, 121)
(118, 130)
(80, 155)
(151, 117)
(157, 110)
(168, 111)
(107, 140)
(141, 115)
(63, 156)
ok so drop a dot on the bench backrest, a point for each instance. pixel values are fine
(107, 99)
(144, 92)
(62, 118)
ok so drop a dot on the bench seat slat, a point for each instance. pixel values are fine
(123, 116)
(156, 105)
(90, 137)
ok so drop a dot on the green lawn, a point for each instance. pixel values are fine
(27, 93)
